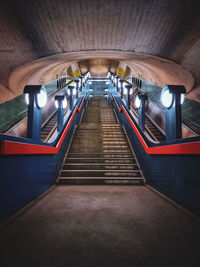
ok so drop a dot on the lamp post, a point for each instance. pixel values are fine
(140, 102)
(172, 97)
(122, 87)
(77, 87)
(117, 83)
(81, 83)
(61, 104)
(36, 98)
(71, 97)
(128, 90)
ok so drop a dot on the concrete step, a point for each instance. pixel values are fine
(101, 181)
(99, 150)
(99, 155)
(99, 166)
(101, 160)
(100, 173)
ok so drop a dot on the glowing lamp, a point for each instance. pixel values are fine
(167, 98)
(137, 102)
(62, 99)
(41, 98)
(182, 99)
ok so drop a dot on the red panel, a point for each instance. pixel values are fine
(185, 148)
(16, 148)
(11, 148)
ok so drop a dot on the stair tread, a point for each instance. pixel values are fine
(100, 152)
(99, 178)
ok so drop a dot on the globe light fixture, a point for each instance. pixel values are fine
(41, 98)
(137, 101)
(182, 99)
(64, 103)
(167, 98)
(74, 91)
(27, 99)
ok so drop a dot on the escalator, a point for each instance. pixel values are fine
(100, 152)
(151, 128)
(153, 131)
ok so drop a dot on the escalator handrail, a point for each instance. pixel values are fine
(17, 148)
(169, 149)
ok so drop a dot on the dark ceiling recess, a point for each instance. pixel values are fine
(35, 29)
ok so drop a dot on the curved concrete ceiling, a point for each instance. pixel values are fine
(55, 33)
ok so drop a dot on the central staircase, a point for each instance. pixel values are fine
(100, 152)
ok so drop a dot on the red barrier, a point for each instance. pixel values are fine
(16, 148)
(184, 148)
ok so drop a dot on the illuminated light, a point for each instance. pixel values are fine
(90, 82)
(68, 91)
(118, 83)
(137, 101)
(125, 91)
(42, 98)
(91, 90)
(27, 99)
(106, 90)
(64, 103)
(131, 91)
(56, 103)
(166, 98)
(182, 98)
(74, 91)
(115, 80)
(107, 82)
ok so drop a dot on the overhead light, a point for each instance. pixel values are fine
(125, 91)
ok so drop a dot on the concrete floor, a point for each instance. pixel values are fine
(101, 226)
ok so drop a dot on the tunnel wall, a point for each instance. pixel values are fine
(176, 176)
(25, 177)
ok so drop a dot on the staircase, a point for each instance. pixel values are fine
(100, 153)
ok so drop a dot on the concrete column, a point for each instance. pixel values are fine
(141, 111)
(60, 113)
(34, 123)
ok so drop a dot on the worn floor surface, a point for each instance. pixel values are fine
(101, 226)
